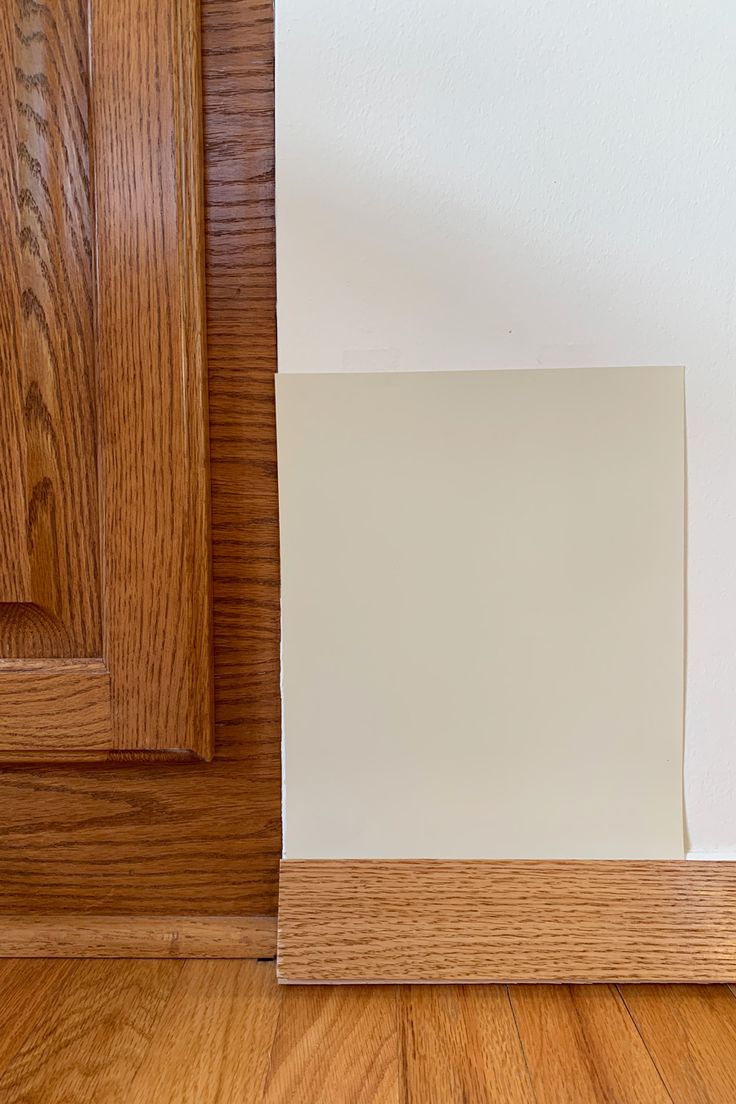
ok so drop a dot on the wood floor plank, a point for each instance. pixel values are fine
(222, 1032)
(212, 1045)
(460, 1043)
(94, 1037)
(336, 1044)
(582, 1047)
(691, 1034)
(28, 989)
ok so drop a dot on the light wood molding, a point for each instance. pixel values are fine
(452, 921)
(81, 935)
(104, 473)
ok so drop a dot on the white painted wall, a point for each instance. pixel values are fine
(486, 183)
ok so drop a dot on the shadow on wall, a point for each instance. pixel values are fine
(455, 281)
(381, 272)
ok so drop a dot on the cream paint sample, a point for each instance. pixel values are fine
(482, 609)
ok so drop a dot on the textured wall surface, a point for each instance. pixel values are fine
(548, 184)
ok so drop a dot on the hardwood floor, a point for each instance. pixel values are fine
(222, 1032)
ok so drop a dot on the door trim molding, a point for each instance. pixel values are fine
(364, 921)
(81, 935)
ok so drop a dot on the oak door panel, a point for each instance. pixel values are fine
(196, 837)
(104, 493)
(50, 563)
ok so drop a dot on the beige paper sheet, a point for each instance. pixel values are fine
(483, 613)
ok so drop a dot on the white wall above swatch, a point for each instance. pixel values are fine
(472, 185)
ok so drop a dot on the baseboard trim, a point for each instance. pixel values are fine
(413, 921)
(81, 935)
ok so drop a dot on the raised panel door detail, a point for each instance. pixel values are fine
(105, 636)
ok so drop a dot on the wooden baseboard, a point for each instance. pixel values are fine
(450, 921)
(81, 935)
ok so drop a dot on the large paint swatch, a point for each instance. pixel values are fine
(483, 613)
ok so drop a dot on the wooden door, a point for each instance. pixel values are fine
(104, 520)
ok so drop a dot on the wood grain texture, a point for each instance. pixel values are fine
(49, 553)
(28, 992)
(150, 327)
(461, 1043)
(80, 935)
(122, 1032)
(336, 1044)
(230, 1010)
(691, 1034)
(113, 1008)
(105, 289)
(198, 838)
(52, 707)
(15, 581)
(582, 1046)
(441, 920)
